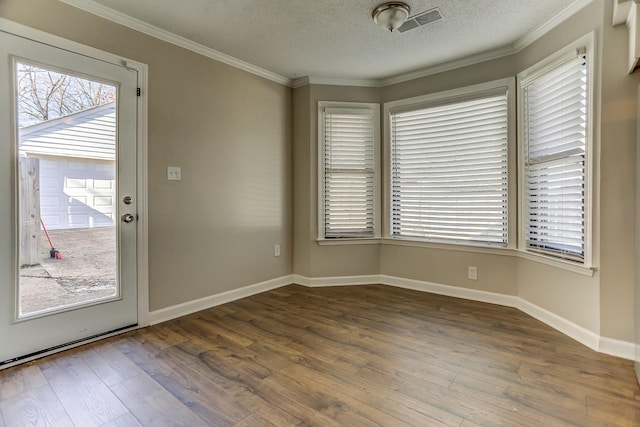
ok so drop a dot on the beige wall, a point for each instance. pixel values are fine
(603, 303)
(569, 295)
(637, 246)
(248, 149)
(617, 184)
(311, 259)
(614, 179)
(302, 214)
(466, 76)
(496, 273)
(229, 130)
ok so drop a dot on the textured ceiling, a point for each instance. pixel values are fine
(337, 39)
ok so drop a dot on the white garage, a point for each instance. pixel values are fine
(76, 167)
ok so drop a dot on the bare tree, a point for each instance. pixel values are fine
(45, 94)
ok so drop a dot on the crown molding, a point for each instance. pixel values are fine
(448, 66)
(344, 82)
(489, 55)
(153, 31)
(621, 10)
(424, 72)
(169, 37)
(302, 81)
(543, 29)
(516, 47)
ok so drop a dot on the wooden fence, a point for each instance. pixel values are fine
(29, 216)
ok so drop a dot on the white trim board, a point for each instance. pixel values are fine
(169, 37)
(572, 330)
(189, 307)
(618, 348)
(612, 347)
(450, 291)
(67, 347)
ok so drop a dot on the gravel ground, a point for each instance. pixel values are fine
(86, 272)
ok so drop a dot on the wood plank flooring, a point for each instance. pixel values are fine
(342, 356)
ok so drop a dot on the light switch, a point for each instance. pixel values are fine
(174, 173)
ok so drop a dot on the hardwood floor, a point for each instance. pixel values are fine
(346, 356)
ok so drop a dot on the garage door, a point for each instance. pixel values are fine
(77, 193)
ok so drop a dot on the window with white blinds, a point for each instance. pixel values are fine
(348, 156)
(554, 125)
(449, 170)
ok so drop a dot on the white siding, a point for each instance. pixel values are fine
(87, 134)
(77, 193)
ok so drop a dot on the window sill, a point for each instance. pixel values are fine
(512, 252)
(349, 241)
(558, 263)
(448, 246)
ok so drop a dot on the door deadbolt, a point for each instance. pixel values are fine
(128, 218)
(127, 200)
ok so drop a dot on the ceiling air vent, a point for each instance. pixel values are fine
(421, 19)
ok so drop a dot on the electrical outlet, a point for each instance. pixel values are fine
(472, 273)
(174, 173)
(276, 250)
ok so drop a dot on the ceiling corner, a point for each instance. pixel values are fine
(169, 37)
(537, 33)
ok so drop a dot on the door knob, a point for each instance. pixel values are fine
(128, 218)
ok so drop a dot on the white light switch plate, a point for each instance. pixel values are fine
(174, 173)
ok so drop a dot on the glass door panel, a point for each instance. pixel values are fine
(66, 189)
(68, 230)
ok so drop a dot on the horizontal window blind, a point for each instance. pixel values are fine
(555, 129)
(450, 172)
(349, 172)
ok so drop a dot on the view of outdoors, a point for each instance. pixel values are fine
(45, 94)
(67, 200)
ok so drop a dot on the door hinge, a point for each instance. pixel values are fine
(137, 91)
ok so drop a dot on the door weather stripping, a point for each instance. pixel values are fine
(35, 354)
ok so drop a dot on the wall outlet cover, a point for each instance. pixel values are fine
(174, 173)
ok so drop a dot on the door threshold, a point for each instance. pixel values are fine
(62, 347)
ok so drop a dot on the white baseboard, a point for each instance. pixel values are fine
(450, 291)
(168, 313)
(398, 282)
(583, 335)
(589, 338)
(320, 282)
(559, 323)
(618, 348)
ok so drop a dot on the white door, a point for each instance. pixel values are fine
(62, 286)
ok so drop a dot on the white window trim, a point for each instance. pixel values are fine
(375, 108)
(446, 96)
(588, 265)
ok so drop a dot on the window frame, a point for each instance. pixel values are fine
(541, 67)
(365, 106)
(444, 97)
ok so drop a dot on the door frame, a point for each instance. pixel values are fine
(142, 250)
